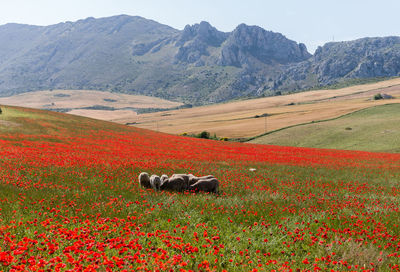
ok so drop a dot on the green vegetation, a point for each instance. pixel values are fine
(373, 129)
(205, 135)
(36, 122)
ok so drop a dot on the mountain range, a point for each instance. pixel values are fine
(196, 65)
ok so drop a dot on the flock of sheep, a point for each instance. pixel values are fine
(179, 182)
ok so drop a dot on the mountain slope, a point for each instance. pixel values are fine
(140, 56)
(91, 52)
(338, 61)
(197, 65)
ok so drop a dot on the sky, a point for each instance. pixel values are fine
(312, 22)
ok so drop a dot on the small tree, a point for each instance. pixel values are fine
(204, 135)
(1, 111)
(378, 96)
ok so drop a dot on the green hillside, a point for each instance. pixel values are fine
(372, 129)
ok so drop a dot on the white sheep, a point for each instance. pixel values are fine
(144, 180)
(155, 182)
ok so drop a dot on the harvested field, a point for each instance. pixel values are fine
(117, 116)
(237, 119)
(107, 106)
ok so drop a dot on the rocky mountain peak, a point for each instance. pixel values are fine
(202, 32)
(194, 41)
(266, 46)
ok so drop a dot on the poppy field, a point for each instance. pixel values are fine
(70, 201)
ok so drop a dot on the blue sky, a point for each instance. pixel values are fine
(312, 22)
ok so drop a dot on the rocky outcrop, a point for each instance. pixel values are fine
(335, 61)
(252, 43)
(195, 41)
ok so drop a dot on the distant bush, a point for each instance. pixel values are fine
(378, 96)
(1, 111)
(110, 100)
(204, 135)
(61, 95)
(262, 115)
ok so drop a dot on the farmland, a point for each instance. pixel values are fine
(241, 119)
(70, 200)
(115, 107)
(372, 129)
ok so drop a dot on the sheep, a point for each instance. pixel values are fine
(185, 177)
(207, 185)
(174, 184)
(144, 180)
(155, 182)
(163, 178)
(193, 179)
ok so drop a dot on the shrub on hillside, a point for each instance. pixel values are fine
(378, 96)
(204, 135)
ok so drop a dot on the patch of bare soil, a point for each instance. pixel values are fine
(9, 124)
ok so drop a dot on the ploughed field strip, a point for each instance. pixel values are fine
(71, 200)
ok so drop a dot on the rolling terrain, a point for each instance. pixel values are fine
(70, 200)
(238, 119)
(102, 105)
(372, 129)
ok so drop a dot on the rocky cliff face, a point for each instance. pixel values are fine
(195, 41)
(247, 44)
(335, 61)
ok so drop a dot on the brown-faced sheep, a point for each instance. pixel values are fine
(144, 180)
(155, 182)
(174, 184)
(206, 185)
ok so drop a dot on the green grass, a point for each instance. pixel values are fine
(374, 129)
(37, 122)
